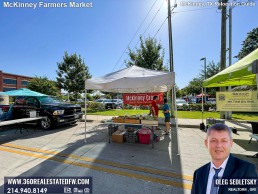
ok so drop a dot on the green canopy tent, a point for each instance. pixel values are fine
(240, 73)
(237, 74)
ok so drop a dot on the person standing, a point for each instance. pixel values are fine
(166, 112)
(154, 107)
(219, 142)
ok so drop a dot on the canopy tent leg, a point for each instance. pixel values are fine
(176, 116)
(202, 105)
(85, 113)
(202, 126)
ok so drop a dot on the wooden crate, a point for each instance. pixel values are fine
(119, 120)
(133, 121)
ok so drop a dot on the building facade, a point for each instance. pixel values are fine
(13, 82)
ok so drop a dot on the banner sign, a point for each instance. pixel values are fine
(242, 101)
(141, 98)
(47, 185)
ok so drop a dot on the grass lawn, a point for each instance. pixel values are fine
(181, 114)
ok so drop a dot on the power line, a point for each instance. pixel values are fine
(160, 27)
(194, 10)
(134, 35)
(165, 21)
(153, 19)
(146, 28)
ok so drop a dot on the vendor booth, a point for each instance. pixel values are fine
(131, 80)
(243, 72)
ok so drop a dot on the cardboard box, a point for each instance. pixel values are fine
(118, 136)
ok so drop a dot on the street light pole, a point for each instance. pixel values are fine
(171, 60)
(204, 59)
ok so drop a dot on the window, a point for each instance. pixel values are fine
(24, 83)
(10, 81)
(8, 89)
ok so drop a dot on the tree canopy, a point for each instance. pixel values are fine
(249, 44)
(44, 85)
(149, 55)
(195, 85)
(211, 70)
(71, 74)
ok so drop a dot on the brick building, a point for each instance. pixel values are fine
(13, 82)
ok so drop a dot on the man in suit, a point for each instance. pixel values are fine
(219, 142)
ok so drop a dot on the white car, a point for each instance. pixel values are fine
(118, 102)
(111, 103)
(180, 103)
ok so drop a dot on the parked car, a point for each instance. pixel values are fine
(181, 103)
(192, 100)
(54, 111)
(211, 101)
(118, 103)
(106, 103)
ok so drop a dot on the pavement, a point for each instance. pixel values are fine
(115, 167)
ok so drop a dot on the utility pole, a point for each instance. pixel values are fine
(223, 8)
(171, 60)
(230, 36)
(205, 95)
(229, 113)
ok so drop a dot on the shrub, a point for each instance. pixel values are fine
(95, 105)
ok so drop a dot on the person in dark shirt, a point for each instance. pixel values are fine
(166, 113)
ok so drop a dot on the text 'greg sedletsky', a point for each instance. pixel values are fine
(41, 4)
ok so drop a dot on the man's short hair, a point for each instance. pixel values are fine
(165, 100)
(155, 97)
(220, 127)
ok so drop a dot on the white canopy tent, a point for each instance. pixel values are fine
(131, 80)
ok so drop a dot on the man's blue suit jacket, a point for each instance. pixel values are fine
(235, 168)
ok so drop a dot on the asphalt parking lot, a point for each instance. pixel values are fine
(115, 167)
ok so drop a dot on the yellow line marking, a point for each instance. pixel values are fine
(98, 168)
(114, 164)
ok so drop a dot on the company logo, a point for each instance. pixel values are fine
(222, 97)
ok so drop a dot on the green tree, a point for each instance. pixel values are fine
(71, 74)
(194, 86)
(211, 70)
(249, 44)
(45, 86)
(150, 55)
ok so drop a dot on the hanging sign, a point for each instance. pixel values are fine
(242, 101)
(141, 98)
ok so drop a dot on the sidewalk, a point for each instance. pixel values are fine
(115, 167)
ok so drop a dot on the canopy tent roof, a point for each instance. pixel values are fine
(239, 73)
(133, 80)
(23, 92)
